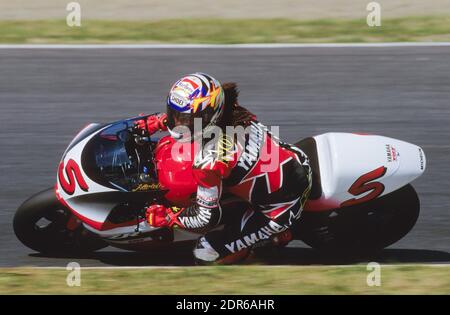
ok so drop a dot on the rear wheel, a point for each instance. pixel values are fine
(361, 229)
(41, 223)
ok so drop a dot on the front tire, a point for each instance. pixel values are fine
(40, 223)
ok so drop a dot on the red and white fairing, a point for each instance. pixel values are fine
(356, 168)
(73, 183)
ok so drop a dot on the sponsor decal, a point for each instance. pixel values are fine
(421, 160)
(208, 197)
(74, 177)
(146, 187)
(225, 147)
(132, 238)
(222, 152)
(177, 100)
(188, 84)
(125, 235)
(251, 152)
(198, 221)
(391, 153)
(251, 239)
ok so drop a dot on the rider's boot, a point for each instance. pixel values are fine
(205, 254)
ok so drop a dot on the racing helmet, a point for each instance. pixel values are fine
(196, 95)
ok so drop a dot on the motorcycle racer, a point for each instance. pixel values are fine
(244, 159)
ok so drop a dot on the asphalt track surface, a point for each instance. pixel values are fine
(46, 96)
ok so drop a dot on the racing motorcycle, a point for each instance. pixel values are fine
(361, 198)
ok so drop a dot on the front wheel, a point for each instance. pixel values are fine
(42, 224)
(361, 229)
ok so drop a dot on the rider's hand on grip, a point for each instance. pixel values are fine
(156, 216)
(160, 216)
(153, 123)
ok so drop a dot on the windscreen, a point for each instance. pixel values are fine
(113, 159)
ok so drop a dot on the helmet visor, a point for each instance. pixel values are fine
(190, 124)
(177, 119)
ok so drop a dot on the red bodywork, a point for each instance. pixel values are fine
(175, 174)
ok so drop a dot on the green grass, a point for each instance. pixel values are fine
(230, 280)
(227, 31)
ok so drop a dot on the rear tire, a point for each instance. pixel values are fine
(361, 229)
(52, 236)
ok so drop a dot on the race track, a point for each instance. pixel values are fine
(46, 96)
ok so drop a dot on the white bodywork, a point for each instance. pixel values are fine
(345, 157)
(96, 212)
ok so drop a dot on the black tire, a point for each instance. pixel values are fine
(52, 238)
(362, 229)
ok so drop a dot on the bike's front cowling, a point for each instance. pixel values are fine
(106, 178)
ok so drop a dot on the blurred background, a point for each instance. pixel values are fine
(223, 21)
(179, 9)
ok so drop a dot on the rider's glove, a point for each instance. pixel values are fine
(160, 216)
(153, 123)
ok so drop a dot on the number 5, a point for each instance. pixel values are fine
(74, 174)
(364, 184)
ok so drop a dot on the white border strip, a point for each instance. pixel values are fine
(220, 46)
